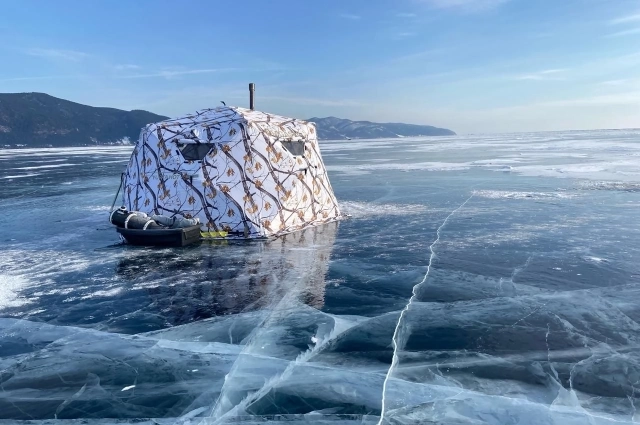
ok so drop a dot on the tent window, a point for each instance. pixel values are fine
(295, 148)
(195, 151)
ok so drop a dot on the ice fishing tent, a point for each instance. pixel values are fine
(243, 173)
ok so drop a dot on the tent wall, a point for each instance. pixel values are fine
(247, 185)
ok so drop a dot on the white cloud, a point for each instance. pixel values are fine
(626, 19)
(616, 110)
(42, 77)
(406, 15)
(544, 34)
(545, 75)
(313, 101)
(468, 5)
(625, 32)
(168, 74)
(126, 67)
(178, 102)
(417, 55)
(628, 98)
(67, 55)
(350, 16)
(405, 34)
(619, 82)
(627, 83)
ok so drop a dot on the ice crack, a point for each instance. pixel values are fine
(515, 273)
(394, 340)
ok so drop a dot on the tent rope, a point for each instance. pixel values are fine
(115, 198)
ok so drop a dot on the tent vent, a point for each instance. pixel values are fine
(295, 148)
(195, 151)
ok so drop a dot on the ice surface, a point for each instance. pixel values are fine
(522, 309)
(45, 367)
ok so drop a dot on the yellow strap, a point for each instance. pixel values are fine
(207, 235)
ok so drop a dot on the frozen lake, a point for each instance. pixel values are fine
(480, 280)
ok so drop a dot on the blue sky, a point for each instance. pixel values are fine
(475, 66)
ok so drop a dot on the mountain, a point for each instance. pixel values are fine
(338, 128)
(37, 120)
(41, 120)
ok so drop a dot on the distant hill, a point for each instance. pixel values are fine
(41, 120)
(338, 128)
(37, 120)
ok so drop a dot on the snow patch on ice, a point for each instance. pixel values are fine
(502, 194)
(595, 259)
(609, 185)
(24, 268)
(370, 209)
(419, 166)
(40, 167)
(9, 288)
(19, 176)
(600, 170)
(97, 208)
(102, 293)
(66, 152)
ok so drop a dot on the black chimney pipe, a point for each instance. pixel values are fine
(252, 88)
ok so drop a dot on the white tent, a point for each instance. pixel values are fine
(243, 173)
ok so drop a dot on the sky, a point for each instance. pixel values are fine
(474, 66)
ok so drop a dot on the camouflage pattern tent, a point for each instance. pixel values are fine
(243, 173)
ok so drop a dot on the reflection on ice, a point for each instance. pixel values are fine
(255, 300)
(155, 288)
